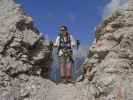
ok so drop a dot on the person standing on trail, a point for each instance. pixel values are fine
(65, 44)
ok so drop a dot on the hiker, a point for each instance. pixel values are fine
(65, 43)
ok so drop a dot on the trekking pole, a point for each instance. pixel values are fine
(51, 45)
(78, 44)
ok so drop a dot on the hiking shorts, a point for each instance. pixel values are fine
(64, 60)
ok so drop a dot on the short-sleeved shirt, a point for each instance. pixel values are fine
(57, 43)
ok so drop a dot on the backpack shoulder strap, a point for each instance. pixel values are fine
(59, 47)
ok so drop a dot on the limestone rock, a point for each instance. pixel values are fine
(114, 52)
(22, 53)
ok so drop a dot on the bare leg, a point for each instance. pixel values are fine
(62, 70)
(69, 71)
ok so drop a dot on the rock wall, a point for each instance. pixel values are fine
(109, 66)
(23, 53)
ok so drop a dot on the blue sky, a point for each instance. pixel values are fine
(81, 16)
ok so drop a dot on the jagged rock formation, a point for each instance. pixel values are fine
(23, 53)
(111, 57)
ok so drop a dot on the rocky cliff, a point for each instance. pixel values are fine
(109, 66)
(23, 53)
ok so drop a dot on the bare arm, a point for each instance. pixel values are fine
(56, 44)
(73, 42)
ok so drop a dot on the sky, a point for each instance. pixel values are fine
(81, 16)
(114, 5)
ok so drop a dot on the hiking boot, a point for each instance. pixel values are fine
(63, 80)
(69, 80)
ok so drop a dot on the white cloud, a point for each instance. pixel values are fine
(113, 6)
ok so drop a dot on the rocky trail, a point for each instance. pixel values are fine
(69, 91)
(25, 57)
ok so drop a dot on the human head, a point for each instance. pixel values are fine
(64, 30)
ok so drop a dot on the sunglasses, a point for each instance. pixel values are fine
(62, 30)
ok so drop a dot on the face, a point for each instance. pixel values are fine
(63, 31)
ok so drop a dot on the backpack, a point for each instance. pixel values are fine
(67, 50)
